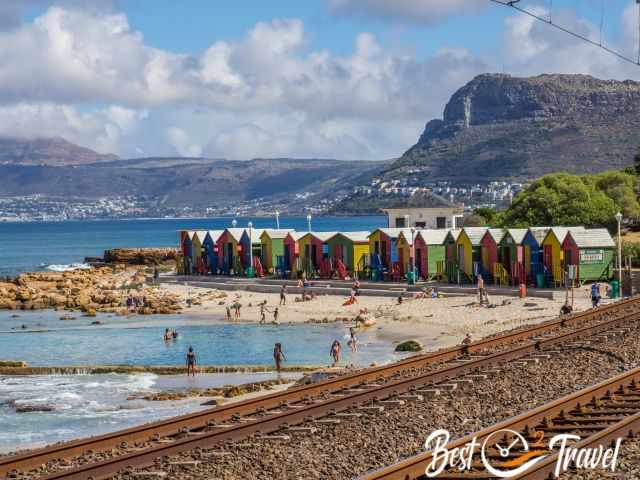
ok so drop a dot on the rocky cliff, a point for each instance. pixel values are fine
(498, 126)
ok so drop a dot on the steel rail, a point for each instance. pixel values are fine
(320, 407)
(416, 466)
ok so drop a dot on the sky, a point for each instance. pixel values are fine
(346, 79)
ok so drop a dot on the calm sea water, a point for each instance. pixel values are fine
(36, 246)
(92, 404)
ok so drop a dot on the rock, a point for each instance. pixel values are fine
(33, 408)
(13, 364)
(67, 317)
(90, 312)
(409, 346)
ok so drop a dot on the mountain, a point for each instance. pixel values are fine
(180, 182)
(47, 151)
(500, 127)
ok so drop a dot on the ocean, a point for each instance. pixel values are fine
(56, 245)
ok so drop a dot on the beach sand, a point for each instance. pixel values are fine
(436, 323)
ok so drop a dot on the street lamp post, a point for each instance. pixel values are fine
(250, 267)
(619, 220)
(412, 278)
(309, 222)
(277, 220)
(406, 221)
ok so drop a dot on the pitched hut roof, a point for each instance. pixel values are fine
(215, 234)
(389, 232)
(322, 236)
(475, 234)
(357, 237)
(592, 238)
(200, 234)
(297, 235)
(539, 233)
(517, 234)
(433, 237)
(496, 234)
(455, 233)
(236, 233)
(273, 233)
(561, 232)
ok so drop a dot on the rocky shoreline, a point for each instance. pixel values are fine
(99, 289)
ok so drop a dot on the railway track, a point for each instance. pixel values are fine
(599, 415)
(365, 389)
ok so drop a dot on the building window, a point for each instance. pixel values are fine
(400, 223)
(421, 225)
(441, 222)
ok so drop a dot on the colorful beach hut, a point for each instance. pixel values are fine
(274, 256)
(186, 246)
(292, 250)
(533, 252)
(383, 245)
(552, 254)
(405, 251)
(592, 252)
(210, 250)
(350, 249)
(469, 251)
(313, 249)
(511, 254)
(198, 255)
(251, 248)
(229, 260)
(452, 265)
(429, 245)
(489, 252)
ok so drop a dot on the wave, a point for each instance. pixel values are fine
(69, 267)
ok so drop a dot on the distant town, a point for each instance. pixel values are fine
(45, 208)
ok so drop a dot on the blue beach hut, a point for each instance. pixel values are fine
(211, 249)
(533, 252)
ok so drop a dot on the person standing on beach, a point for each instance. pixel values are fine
(237, 307)
(191, 362)
(228, 313)
(275, 316)
(481, 291)
(278, 356)
(283, 295)
(335, 352)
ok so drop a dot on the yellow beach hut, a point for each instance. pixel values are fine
(468, 245)
(552, 254)
(198, 254)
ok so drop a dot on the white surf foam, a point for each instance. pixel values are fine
(68, 267)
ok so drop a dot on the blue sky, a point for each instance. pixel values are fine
(353, 79)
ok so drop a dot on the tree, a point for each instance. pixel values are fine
(621, 188)
(561, 199)
(474, 220)
(636, 161)
(489, 214)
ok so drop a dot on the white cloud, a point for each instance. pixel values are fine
(412, 11)
(88, 76)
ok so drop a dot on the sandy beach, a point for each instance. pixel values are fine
(434, 322)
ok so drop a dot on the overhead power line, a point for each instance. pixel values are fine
(549, 21)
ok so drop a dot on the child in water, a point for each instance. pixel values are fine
(335, 351)
(191, 362)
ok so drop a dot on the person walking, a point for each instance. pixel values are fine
(283, 295)
(278, 356)
(335, 352)
(595, 295)
(191, 362)
(263, 311)
(237, 307)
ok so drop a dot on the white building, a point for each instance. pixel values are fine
(436, 217)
